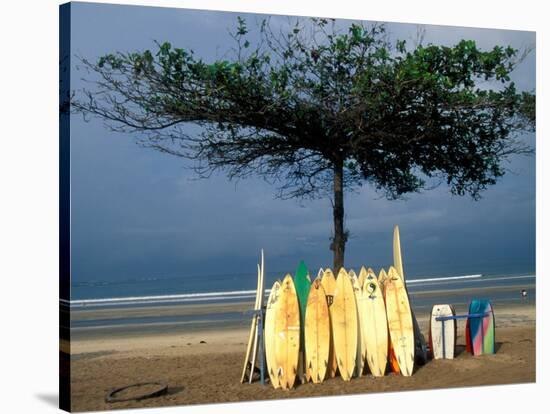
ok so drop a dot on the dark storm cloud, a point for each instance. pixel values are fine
(136, 212)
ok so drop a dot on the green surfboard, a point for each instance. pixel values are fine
(302, 284)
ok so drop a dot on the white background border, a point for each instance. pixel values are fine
(29, 201)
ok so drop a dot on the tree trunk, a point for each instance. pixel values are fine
(339, 242)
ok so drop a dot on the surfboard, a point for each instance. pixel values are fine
(374, 324)
(329, 285)
(482, 329)
(320, 274)
(400, 322)
(287, 334)
(359, 363)
(344, 325)
(252, 340)
(442, 334)
(468, 339)
(382, 279)
(361, 315)
(397, 259)
(361, 277)
(392, 359)
(317, 332)
(260, 305)
(269, 333)
(302, 284)
(420, 345)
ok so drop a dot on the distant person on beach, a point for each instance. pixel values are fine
(523, 294)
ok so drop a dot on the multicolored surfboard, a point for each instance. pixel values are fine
(468, 339)
(482, 328)
(302, 284)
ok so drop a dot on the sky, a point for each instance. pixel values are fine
(137, 213)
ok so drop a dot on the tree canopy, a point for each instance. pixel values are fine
(316, 110)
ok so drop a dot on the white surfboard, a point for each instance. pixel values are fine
(252, 338)
(259, 306)
(269, 333)
(442, 333)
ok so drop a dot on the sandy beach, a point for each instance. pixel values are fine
(204, 365)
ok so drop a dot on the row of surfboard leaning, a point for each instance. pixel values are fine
(348, 324)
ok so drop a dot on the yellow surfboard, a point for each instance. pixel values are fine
(269, 333)
(400, 323)
(361, 277)
(360, 316)
(329, 285)
(382, 279)
(359, 363)
(317, 332)
(421, 347)
(397, 259)
(320, 273)
(374, 324)
(287, 334)
(344, 325)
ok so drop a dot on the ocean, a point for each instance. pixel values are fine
(162, 305)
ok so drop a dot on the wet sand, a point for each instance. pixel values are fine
(204, 365)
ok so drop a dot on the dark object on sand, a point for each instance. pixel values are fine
(137, 392)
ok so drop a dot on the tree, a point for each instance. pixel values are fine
(318, 110)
